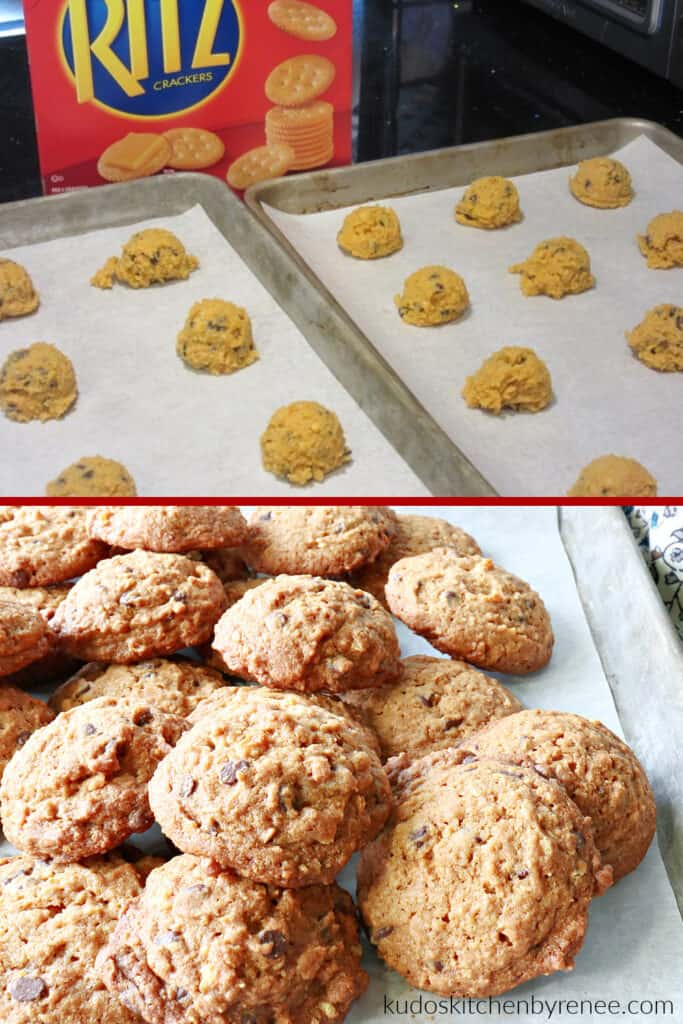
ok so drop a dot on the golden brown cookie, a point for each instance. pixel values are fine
(303, 442)
(55, 664)
(434, 703)
(139, 605)
(370, 233)
(18, 297)
(511, 378)
(78, 787)
(321, 540)
(278, 788)
(432, 296)
(20, 715)
(152, 256)
(24, 637)
(305, 21)
(93, 476)
(227, 563)
(601, 182)
(599, 771)
(482, 878)
(217, 338)
(174, 685)
(171, 528)
(414, 535)
(193, 149)
(470, 608)
(54, 919)
(662, 245)
(260, 164)
(614, 476)
(310, 634)
(44, 544)
(300, 80)
(658, 339)
(136, 155)
(489, 203)
(556, 267)
(37, 383)
(202, 945)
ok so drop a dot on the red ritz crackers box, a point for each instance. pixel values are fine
(242, 89)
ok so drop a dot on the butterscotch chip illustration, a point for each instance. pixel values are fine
(217, 338)
(512, 378)
(602, 183)
(557, 267)
(662, 244)
(370, 233)
(305, 21)
(300, 80)
(489, 203)
(614, 476)
(18, 297)
(149, 257)
(37, 383)
(658, 340)
(303, 441)
(260, 164)
(93, 476)
(192, 149)
(137, 155)
(432, 296)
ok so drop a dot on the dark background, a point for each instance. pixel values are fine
(432, 73)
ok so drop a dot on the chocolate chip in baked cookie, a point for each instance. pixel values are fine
(277, 942)
(418, 835)
(229, 771)
(382, 933)
(27, 989)
(187, 786)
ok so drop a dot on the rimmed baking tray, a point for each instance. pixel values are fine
(432, 172)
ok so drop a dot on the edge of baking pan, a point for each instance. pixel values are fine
(641, 657)
(355, 363)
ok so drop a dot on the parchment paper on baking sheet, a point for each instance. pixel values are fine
(606, 401)
(177, 431)
(634, 945)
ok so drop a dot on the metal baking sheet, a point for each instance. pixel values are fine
(491, 442)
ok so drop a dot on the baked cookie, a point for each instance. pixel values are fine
(601, 182)
(614, 476)
(168, 528)
(54, 664)
(303, 441)
(93, 476)
(24, 637)
(321, 540)
(432, 296)
(600, 773)
(435, 703)
(201, 944)
(136, 155)
(280, 789)
(658, 340)
(18, 297)
(45, 544)
(370, 233)
(556, 267)
(512, 378)
(37, 383)
(662, 245)
(20, 715)
(193, 149)
(78, 787)
(489, 203)
(54, 919)
(482, 878)
(216, 338)
(139, 605)
(149, 257)
(414, 535)
(472, 609)
(306, 633)
(173, 685)
(227, 563)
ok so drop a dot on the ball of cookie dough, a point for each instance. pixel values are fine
(370, 232)
(489, 203)
(93, 475)
(148, 257)
(602, 182)
(556, 267)
(658, 340)
(18, 297)
(432, 295)
(662, 246)
(217, 338)
(37, 383)
(511, 378)
(303, 441)
(614, 476)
